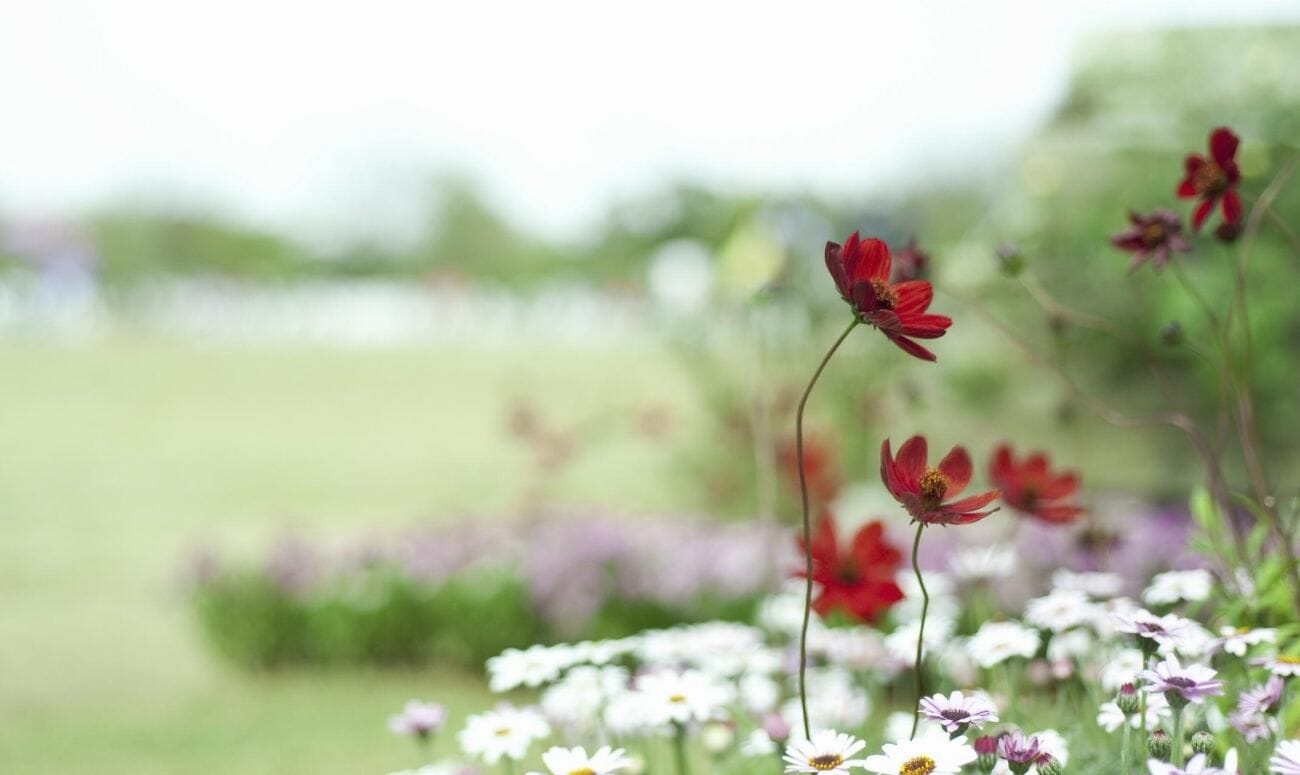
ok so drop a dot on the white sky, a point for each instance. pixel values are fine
(324, 118)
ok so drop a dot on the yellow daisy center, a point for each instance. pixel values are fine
(501, 731)
(1288, 659)
(917, 765)
(827, 761)
(677, 699)
(583, 771)
(934, 485)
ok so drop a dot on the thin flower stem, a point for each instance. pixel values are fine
(920, 634)
(679, 750)
(1178, 756)
(1123, 751)
(807, 527)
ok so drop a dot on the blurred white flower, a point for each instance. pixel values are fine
(530, 667)
(995, 642)
(983, 563)
(680, 697)
(1099, 585)
(827, 751)
(1122, 668)
(930, 752)
(566, 761)
(1237, 641)
(1060, 610)
(504, 732)
(1176, 586)
(1111, 718)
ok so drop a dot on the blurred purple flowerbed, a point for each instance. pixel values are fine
(406, 599)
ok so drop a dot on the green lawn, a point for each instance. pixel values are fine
(120, 456)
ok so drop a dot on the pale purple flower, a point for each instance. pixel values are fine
(1253, 726)
(419, 719)
(1286, 758)
(1262, 699)
(1168, 631)
(956, 712)
(1016, 749)
(1192, 683)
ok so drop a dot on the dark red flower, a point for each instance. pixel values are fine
(1031, 488)
(859, 581)
(911, 263)
(1153, 236)
(1213, 179)
(922, 489)
(819, 468)
(860, 269)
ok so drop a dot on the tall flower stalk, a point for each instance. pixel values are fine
(920, 634)
(861, 270)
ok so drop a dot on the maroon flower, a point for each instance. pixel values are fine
(1213, 179)
(1154, 236)
(1030, 487)
(922, 489)
(860, 269)
(911, 263)
(859, 581)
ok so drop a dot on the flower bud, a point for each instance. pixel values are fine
(1158, 745)
(1202, 742)
(776, 727)
(1049, 766)
(1127, 699)
(1227, 232)
(986, 750)
(1010, 259)
(1171, 334)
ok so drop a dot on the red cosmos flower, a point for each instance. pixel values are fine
(1213, 179)
(859, 581)
(921, 489)
(1154, 236)
(1031, 488)
(819, 468)
(860, 269)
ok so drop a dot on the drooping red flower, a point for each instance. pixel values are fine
(860, 269)
(819, 468)
(922, 489)
(1030, 487)
(1213, 179)
(1152, 237)
(860, 580)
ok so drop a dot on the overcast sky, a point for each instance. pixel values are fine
(323, 118)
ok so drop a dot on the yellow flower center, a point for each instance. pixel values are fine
(502, 731)
(934, 485)
(1210, 179)
(918, 765)
(1287, 659)
(583, 771)
(886, 297)
(677, 699)
(827, 761)
(1153, 234)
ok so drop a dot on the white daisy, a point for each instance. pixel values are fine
(758, 745)
(932, 752)
(996, 642)
(1286, 758)
(691, 695)
(530, 667)
(828, 752)
(1051, 741)
(1281, 664)
(1176, 586)
(1060, 610)
(1237, 641)
(504, 732)
(1074, 644)
(901, 643)
(1122, 668)
(575, 761)
(1197, 765)
(835, 701)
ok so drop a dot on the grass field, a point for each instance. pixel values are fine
(120, 456)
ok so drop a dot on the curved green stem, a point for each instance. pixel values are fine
(807, 527)
(920, 634)
(679, 750)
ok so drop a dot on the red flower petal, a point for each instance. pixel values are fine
(912, 348)
(973, 502)
(1201, 213)
(889, 471)
(1058, 515)
(925, 326)
(876, 261)
(1231, 207)
(913, 296)
(910, 465)
(1223, 146)
(835, 265)
(956, 468)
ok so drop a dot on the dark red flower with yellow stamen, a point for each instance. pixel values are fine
(1155, 236)
(1030, 487)
(922, 489)
(1213, 179)
(859, 581)
(860, 269)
